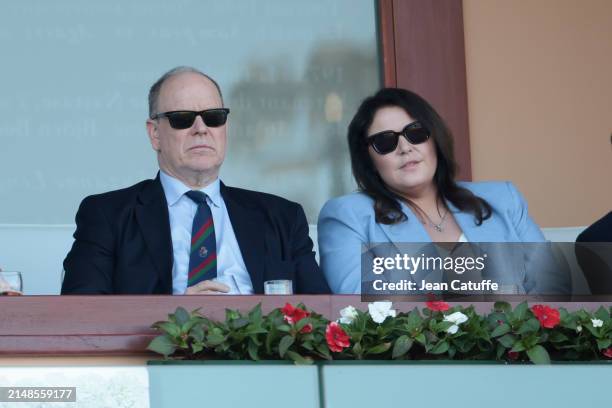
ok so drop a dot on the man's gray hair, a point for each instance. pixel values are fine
(156, 88)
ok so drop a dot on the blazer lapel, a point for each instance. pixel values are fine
(248, 225)
(154, 221)
(413, 232)
(486, 232)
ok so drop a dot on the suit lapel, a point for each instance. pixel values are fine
(154, 222)
(248, 225)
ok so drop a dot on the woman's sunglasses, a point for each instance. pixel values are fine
(184, 119)
(386, 141)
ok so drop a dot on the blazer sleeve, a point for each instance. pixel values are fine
(89, 264)
(544, 273)
(340, 239)
(526, 228)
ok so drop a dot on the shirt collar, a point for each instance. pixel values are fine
(174, 189)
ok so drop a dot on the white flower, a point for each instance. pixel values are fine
(348, 314)
(597, 322)
(456, 318)
(578, 329)
(379, 311)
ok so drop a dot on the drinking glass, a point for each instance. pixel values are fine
(278, 287)
(11, 283)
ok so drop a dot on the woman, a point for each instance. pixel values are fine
(402, 159)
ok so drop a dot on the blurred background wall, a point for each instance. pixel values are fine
(532, 77)
(540, 102)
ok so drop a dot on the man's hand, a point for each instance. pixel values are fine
(208, 287)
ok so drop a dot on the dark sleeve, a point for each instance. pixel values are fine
(310, 279)
(89, 264)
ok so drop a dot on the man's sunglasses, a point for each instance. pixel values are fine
(184, 119)
(386, 141)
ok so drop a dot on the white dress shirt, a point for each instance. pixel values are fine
(182, 211)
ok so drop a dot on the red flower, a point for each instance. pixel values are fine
(337, 339)
(513, 355)
(306, 329)
(547, 316)
(437, 305)
(293, 314)
(607, 352)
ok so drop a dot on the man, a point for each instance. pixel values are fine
(594, 255)
(185, 232)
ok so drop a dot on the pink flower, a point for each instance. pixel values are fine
(513, 355)
(336, 337)
(607, 352)
(547, 316)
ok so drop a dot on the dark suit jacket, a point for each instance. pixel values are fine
(600, 231)
(594, 255)
(123, 243)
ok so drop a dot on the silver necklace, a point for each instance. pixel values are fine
(439, 226)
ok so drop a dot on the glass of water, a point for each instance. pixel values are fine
(11, 283)
(278, 287)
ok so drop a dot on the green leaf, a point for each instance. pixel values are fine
(255, 314)
(603, 343)
(502, 307)
(181, 316)
(507, 341)
(441, 347)
(518, 347)
(252, 350)
(162, 345)
(284, 345)
(323, 351)
(530, 326)
(500, 351)
(402, 346)
(557, 337)
(298, 359)
(231, 315)
(284, 328)
(197, 332)
(239, 323)
(414, 320)
(520, 310)
(500, 330)
(215, 339)
(197, 347)
(172, 329)
(420, 338)
(538, 355)
(381, 348)
(602, 314)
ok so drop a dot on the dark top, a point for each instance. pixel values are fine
(600, 231)
(594, 255)
(123, 243)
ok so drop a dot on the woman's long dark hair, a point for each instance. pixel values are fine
(387, 208)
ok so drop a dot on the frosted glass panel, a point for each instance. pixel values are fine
(75, 77)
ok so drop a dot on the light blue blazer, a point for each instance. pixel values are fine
(347, 222)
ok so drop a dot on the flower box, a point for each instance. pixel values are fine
(222, 383)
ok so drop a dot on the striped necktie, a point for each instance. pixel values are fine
(203, 255)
